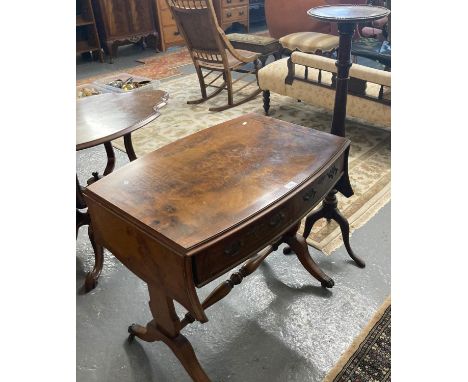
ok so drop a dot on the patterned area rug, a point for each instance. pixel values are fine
(158, 67)
(369, 157)
(368, 357)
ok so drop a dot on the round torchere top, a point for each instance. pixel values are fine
(348, 13)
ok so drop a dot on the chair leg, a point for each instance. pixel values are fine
(266, 101)
(201, 80)
(230, 90)
(229, 87)
(203, 87)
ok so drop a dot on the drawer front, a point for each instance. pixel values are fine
(166, 18)
(235, 14)
(234, 3)
(233, 250)
(172, 34)
(311, 195)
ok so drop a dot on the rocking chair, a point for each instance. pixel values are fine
(212, 51)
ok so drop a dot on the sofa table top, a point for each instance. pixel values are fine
(196, 188)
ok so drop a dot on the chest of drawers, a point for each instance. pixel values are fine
(168, 31)
(232, 11)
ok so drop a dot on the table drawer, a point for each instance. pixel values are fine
(230, 252)
(255, 236)
(166, 18)
(172, 34)
(234, 14)
(233, 3)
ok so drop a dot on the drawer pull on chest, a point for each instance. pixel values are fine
(309, 195)
(233, 249)
(241, 13)
(229, 14)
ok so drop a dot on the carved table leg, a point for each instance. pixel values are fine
(129, 147)
(110, 165)
(110, 158)
(92, 277)
(82, 218)
(329, 210)
(299, 245)
(165, 327)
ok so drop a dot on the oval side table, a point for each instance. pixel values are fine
(99, 120)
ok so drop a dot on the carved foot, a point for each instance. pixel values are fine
(299, 245)
(179, 345)
(147, 333)
(312, 219)
(329, 210)
(287, 251)
(344, 226)
(92, 277)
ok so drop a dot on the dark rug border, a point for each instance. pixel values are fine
(362, 343)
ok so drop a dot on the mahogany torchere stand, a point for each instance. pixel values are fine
(346, 16)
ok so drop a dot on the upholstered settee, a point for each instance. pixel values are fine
(311, 78)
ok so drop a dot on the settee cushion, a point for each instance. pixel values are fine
(272, 77)
(310, 42)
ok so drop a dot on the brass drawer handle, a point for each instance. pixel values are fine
(277, 219)
(229, 14)
(176, 33)
(241, 13)
(233, 249)
(332, 172)
(309, 195)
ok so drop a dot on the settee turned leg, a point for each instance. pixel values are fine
(266, 101)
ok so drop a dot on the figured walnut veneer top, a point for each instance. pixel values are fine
(348, 13)
(196, 188)
(105, 117)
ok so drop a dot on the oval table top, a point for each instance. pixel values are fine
(194, 189)
(348, 13)
(105, 117)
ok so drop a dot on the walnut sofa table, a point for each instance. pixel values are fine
(99, 120)
(187, 213)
